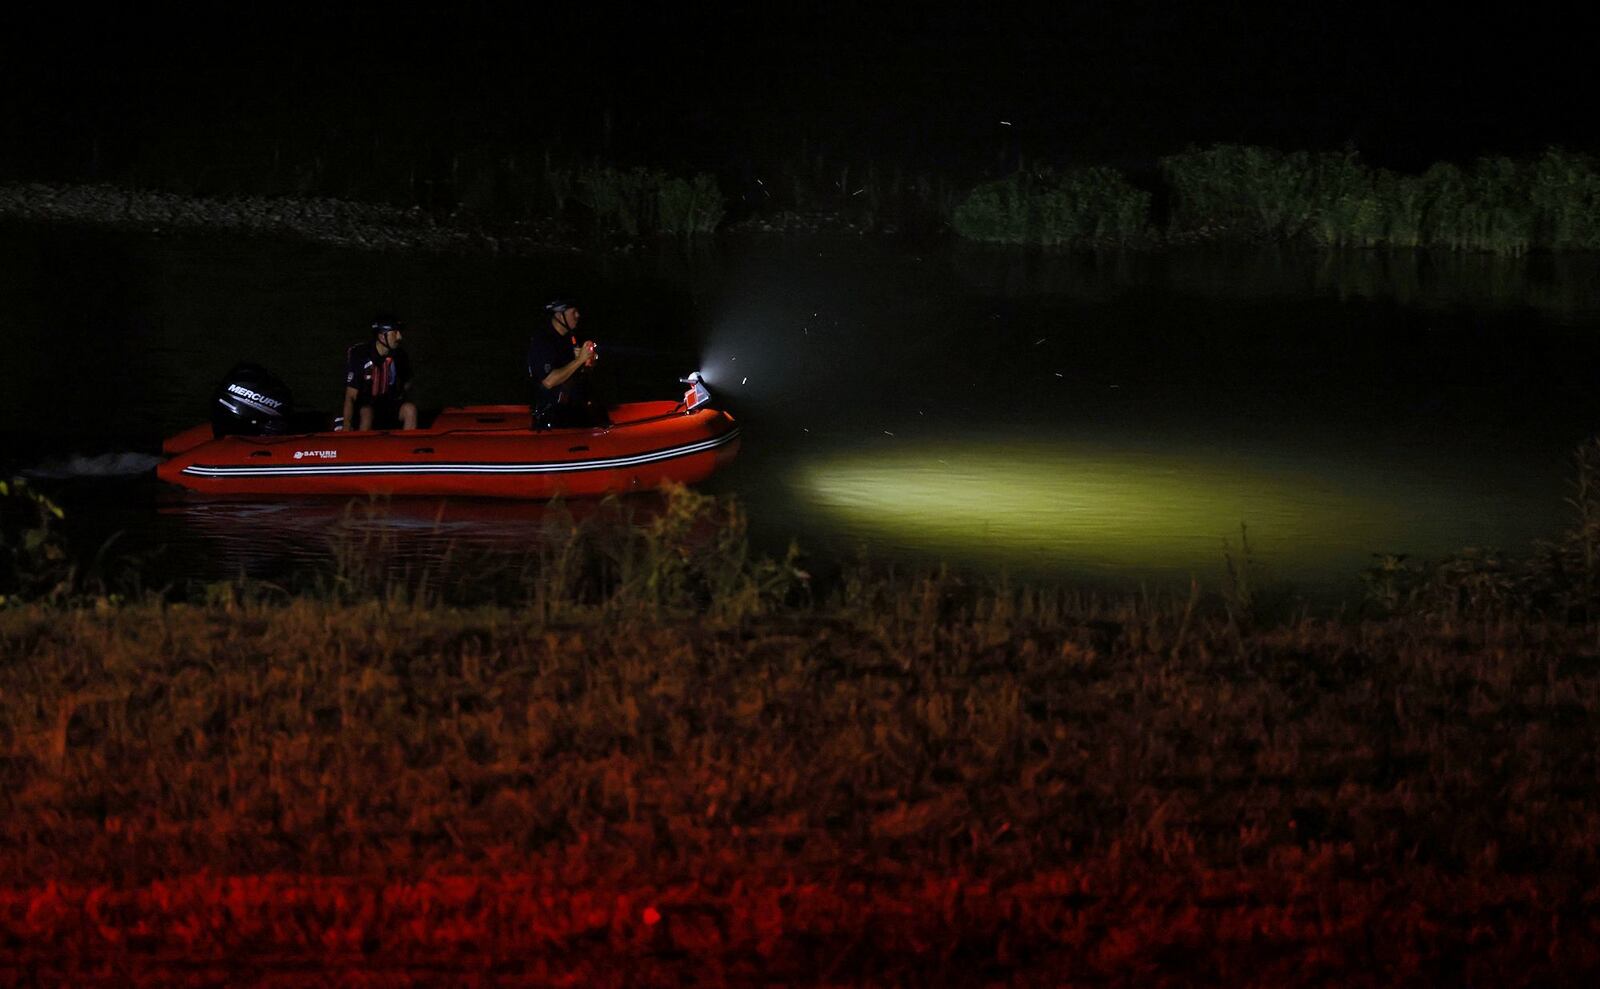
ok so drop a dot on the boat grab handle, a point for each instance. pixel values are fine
(423, 449)
(577, 449)
(260, 453)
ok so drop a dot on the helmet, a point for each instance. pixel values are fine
(384, 322)
(556, 307)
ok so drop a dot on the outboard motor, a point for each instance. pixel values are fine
(251, 401)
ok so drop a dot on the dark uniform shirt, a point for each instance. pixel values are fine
(379, 379)
(569, 404)
(548, 351)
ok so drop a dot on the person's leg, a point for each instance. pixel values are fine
(364, 418)
(384, 416)
(408, 416)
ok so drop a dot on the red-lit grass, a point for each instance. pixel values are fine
(909, 790)
(1302, 919)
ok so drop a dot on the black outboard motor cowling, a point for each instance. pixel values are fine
(251, 401)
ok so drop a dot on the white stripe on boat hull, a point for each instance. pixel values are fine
(325, 469)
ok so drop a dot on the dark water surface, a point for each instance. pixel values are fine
(1115, 418)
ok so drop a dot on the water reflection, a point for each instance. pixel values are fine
(276, 539)
(1561, 285)
(1110, 509)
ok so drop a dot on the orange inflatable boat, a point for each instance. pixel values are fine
(477, 451)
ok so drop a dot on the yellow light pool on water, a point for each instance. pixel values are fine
(1083, 506)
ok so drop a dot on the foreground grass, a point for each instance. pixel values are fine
(915, 785)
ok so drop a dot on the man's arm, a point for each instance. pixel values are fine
(558, 377)
(406, 378)
(352, 375)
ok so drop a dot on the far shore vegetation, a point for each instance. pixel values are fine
(646, 753)
(1217, 194)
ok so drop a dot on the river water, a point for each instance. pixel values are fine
(1111, 418)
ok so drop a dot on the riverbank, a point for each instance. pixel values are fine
(906, 787)
(643, 753)
(342, 223)
(1221, 194)
(363, 226)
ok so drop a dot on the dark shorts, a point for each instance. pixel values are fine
(385, 413)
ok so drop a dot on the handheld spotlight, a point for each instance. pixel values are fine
(698, 394)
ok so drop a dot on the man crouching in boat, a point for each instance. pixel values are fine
(377, 381)
(559, 367)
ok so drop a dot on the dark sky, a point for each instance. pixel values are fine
(1404, 83)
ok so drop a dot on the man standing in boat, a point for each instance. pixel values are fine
(377, 380)
(559, 366)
